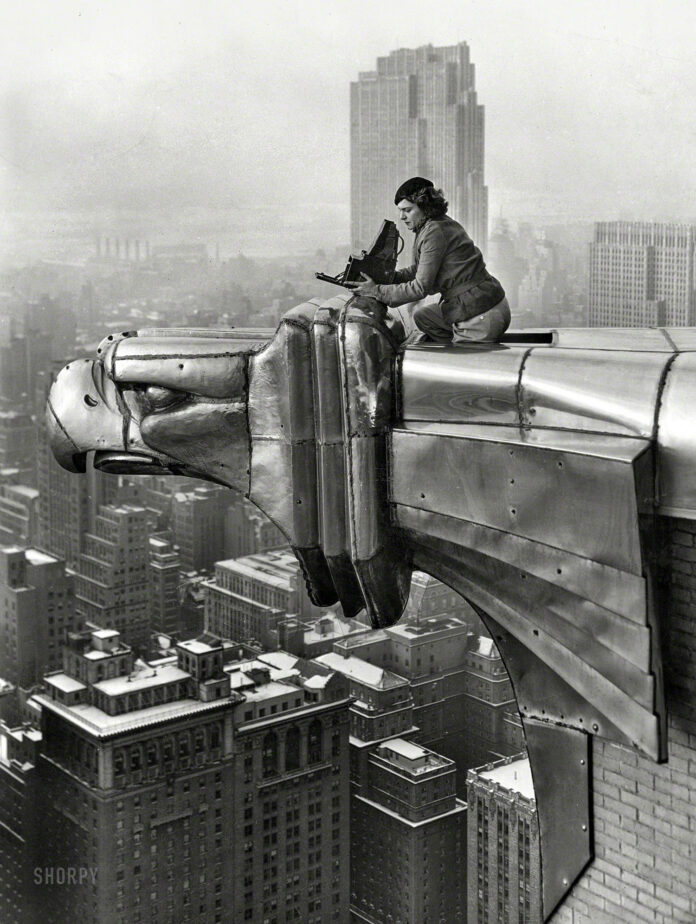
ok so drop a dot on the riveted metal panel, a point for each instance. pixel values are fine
(560, 763)
(576, 619)
(215, 369)
(572, 501)
(280, 384)
(479, 387)
(551, 681)
(617, 591)
(587, 390)
(676, 440)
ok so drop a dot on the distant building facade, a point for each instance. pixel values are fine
(164, 578)
(20, 824)
(18, 444)
(198, 525)
(417, 114)
(642, 275)
(111, 585)
(504, 866)
(19, 511)
(67, 505)
(248, 597)
(37, 610)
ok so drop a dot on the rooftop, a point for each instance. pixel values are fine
(280, 660)
(35, 557)
(199, 646)
(485, 647)
(412, 758)
(361, 671)
(259, 572)
(514, 776)
(99, 723)
(64, 682)
(143, 677)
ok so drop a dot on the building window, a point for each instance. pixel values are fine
(315, 742)
(292, 749)
(269, 762)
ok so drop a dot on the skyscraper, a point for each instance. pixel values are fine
(111, 585)
(503, 844)
(195, 791)
(37, 609)
(408, 838)
(417, 114)
(642, 275)
(163, 582)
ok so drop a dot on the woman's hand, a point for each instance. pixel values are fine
(368, 288)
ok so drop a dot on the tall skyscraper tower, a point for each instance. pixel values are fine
(417, 115)
(642, 275)
(111, 584)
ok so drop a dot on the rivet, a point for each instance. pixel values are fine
(512, 481)
(181, 365)
(565, 882)
(595, 727)
(535, 631)
(584, 827)
(582, 761)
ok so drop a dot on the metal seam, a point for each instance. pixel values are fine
(62, 428)
(518, 389)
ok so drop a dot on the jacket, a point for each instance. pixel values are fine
(445, 260)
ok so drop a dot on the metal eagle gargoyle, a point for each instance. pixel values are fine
(528, 475)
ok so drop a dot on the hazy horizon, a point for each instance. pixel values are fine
(169, 117)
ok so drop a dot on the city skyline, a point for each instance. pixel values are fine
(114, 121)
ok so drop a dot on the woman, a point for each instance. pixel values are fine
(446, 261)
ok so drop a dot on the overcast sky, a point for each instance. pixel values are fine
(155, 107)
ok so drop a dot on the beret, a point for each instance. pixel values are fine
(410, 187)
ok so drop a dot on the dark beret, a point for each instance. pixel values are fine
(410, 187)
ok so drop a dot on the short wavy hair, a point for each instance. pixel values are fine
(430, 201)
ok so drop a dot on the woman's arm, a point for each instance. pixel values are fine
(431, 251)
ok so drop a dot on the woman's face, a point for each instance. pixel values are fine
(410, 214)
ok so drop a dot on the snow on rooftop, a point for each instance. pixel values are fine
(105, 633)
(404, 748)
(317, 682)
(97, 722)
(279, 659)
(360, 670)
(269, 690)
(145, 677)
(515, 777)
(266, 573)
(39, 558)
(196, 646)
(64, 682)
(486, 647)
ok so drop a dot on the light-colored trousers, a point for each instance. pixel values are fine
(486, 327)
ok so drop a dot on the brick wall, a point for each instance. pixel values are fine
(645, 813)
